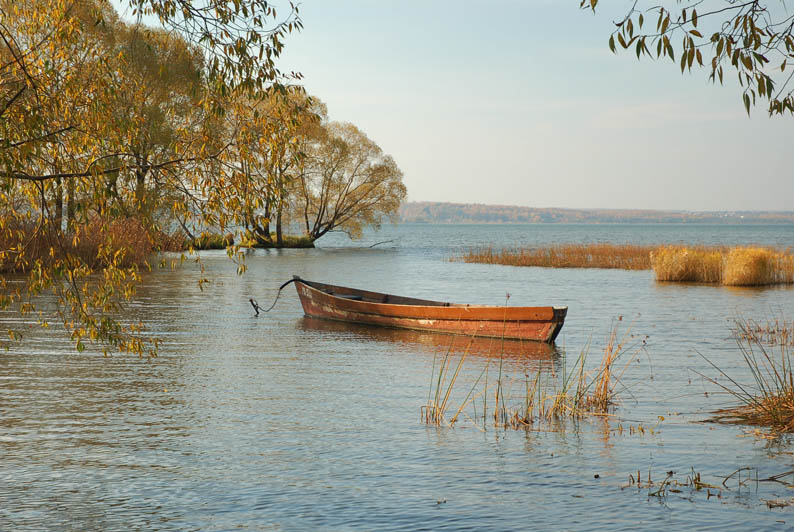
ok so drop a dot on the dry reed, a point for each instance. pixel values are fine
(737, 266)
(769, 400)
(574, 394)
(687, 264)
(772, 332)
(623, 256)
(753, 266)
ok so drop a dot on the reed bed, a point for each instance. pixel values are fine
(752, 266)
(736, 266)
(687, 264)
(769, 400)
(623, 256)
(542, 397)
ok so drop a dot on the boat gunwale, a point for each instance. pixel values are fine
(557, 313)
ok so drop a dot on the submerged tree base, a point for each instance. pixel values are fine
(213, 241)
(210, 241)
(288, 242)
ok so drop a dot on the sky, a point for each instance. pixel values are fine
(522, 103)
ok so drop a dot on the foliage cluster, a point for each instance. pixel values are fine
(752, 39)
(212, 241)
(117, 140)
(312, 173)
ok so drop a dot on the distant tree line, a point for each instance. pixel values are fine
(435, 212)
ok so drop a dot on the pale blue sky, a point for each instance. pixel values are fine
(521, 102)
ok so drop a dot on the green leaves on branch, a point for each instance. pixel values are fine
(241, 38)
(743, 37)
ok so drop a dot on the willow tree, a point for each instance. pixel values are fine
(157, 115)
(346, 182)
(752, 40)
(268, 143)
(78, 123)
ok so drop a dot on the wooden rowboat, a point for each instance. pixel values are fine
(341, 303)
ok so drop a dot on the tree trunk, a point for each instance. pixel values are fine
(70, 203)
(140, 189)
(279, 237)
(58, 203)
(261, 232)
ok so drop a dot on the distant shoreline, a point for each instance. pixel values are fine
(457, 213)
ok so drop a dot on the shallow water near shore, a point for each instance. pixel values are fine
(280, 422)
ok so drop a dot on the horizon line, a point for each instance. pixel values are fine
(627, 209)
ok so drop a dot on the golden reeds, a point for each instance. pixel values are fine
(772, 332)
(769, 400)
(574, 394)
(622, 256)
(581, 393)
(687, 264)
(737, 266)
(434, 412)
(754, 266)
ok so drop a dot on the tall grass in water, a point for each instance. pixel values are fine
(771, 332)
(769, 400)
(543, 397)
(579, 393)
(441, 387)
(738, 266)
(623, 256)
(753, 266)
(687, 264)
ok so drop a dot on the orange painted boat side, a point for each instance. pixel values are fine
(341, 303)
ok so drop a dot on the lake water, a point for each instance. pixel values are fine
(280, 422)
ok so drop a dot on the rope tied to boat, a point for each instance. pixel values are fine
(256, 306)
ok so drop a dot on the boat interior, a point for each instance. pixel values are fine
(376, 297)
(373, 297)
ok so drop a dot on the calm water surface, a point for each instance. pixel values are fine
(286, 423)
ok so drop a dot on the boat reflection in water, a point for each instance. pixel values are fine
(434, 343)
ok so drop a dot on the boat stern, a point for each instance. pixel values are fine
(557, 320)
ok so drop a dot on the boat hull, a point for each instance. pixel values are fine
(339, 303)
